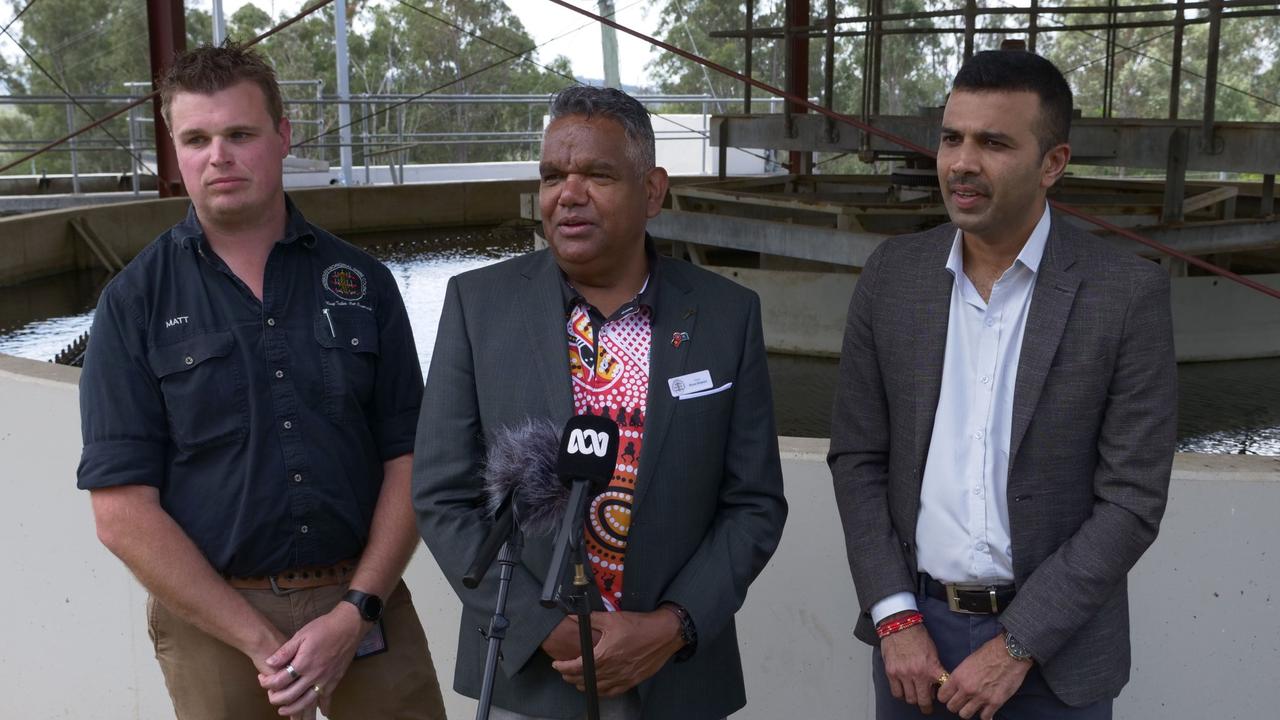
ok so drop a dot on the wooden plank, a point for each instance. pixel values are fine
(1209, 199)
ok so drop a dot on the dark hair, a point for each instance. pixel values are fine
(1022, 71)
(208, 69)
(615, 105)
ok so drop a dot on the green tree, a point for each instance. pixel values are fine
(394, 48)
(94, 56)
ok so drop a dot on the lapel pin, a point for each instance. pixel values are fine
(679, 338)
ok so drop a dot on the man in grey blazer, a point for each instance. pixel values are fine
(601, 324)
(1004, 426)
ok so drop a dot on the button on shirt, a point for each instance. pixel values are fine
(962, 533)
(264, 424)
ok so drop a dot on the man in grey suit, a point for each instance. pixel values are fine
(601, 324)
(1004, 426)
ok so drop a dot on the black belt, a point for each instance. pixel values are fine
(969, 598)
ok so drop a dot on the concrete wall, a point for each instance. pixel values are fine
(1213, 318)
(1206, 598)
(42, 244)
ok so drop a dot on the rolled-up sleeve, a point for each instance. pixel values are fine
(122, 413)
(398, 387)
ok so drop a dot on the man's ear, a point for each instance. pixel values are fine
(1054, 165)
(285, 130)
(655, 187)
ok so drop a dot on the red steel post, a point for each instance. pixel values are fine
(167, 31)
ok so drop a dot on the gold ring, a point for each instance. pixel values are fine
(318, 688)
(293, 674)
(942, 679)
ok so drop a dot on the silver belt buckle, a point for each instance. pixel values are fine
(953, 597)
(279, 591)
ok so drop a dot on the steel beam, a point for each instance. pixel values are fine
(1244, 147)
(797, 72)
(747, 42)
(167, 32)
(1175, 175)
(1175, 72)
(1211, 77)
(802, 242)
(1203, 238)
(851, 249)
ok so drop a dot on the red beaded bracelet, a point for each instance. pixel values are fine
(889, 627)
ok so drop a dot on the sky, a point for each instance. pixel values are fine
(575, 36)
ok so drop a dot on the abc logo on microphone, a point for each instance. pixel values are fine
(588, 442)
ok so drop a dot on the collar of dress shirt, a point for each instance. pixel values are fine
(1032, 251)
(644, 297)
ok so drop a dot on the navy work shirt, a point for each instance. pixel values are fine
(263, 424)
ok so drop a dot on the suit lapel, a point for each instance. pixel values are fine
(676, 312)
(1051, 301)
(933, 287)
(544, 319)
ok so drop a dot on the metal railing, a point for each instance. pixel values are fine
(308, 113)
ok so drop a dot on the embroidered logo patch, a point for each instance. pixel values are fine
(345, 281)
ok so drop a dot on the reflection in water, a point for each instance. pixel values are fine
(1224, 407)
(38, 319)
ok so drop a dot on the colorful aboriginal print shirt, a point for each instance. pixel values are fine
(609, 366)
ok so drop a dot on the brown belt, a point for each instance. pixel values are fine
(297, 578)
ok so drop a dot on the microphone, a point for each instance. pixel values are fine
(528, 472)
(520, 464)
(520, 471)
(587, 457)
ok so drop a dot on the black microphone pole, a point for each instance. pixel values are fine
(588, 454)
(508, 558)
(582, 603)
(577, 600)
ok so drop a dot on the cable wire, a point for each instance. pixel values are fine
(904, 143)
(570, 78)
(49, 76)
(150, 96)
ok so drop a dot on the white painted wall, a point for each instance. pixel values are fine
(1206, 598)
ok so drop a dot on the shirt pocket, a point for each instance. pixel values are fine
(349, 361)
(718, 400)
(204, 391)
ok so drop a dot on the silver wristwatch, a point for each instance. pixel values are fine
(1016, 650)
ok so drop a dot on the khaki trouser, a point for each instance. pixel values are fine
(209, 680)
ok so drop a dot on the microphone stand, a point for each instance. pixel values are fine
(508, 558)
(580, 603)
(569, 542)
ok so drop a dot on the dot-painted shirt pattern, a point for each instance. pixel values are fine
(611, 378)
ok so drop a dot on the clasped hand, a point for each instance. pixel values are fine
(979, 686)
(319, 655)
(630, 647)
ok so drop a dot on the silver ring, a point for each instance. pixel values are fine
(293, 674)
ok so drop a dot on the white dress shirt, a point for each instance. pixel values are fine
(962, 533)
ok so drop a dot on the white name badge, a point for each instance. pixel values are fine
(691, 383)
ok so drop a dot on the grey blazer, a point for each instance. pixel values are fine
(1089, 456)
(708, 511)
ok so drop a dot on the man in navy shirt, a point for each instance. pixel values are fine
(248, 404)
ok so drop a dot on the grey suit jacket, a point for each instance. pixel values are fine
(1089, 456)
(708, 511)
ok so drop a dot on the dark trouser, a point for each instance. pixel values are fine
(958, 635)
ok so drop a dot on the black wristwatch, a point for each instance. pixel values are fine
(1016, 650)
(370, 606)
(688, 632)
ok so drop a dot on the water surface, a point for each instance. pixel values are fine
(1223, 407)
